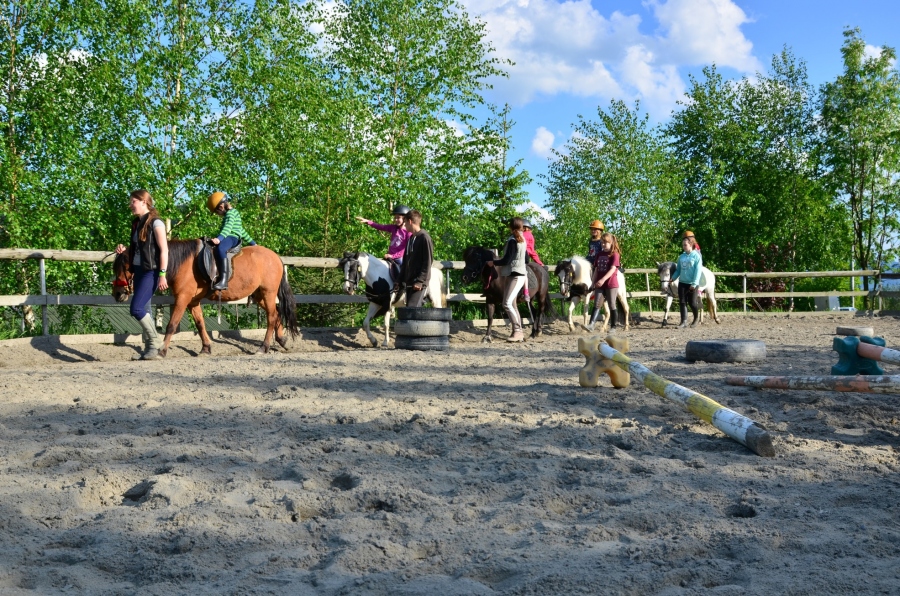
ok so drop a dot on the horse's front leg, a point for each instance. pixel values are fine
(490, 318)
(370, 314)
(624, 302)
(197, 314)
(175, 314)
(665, 320)
(387, 327)
(572, 304)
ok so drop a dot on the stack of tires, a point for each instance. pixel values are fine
(422, 329)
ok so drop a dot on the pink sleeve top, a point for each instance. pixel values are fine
(529, 247)
(399, 236)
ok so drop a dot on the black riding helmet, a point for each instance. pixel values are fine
(400, 210)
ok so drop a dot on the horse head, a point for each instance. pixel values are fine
(566, 273)
(123, 282)
(666, 271)
(475, 257)
(352, 276)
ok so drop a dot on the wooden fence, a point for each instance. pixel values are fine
(44, 300)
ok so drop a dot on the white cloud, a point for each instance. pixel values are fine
(570, 47)
(705, 31)
(542, 143)
(542, 214)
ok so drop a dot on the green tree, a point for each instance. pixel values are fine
(861, 131)
(616, 169)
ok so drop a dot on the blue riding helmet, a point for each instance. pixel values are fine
(526, 223)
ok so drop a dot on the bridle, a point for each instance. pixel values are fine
(667, 289)
(126, 284)
(352, 275)
(565, 282)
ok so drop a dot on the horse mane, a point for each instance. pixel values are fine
(119, 263)
(581, 268)
(179, 252)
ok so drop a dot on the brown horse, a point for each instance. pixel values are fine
(258, 272)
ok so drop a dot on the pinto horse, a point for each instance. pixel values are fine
(575, 285)
(707, 286)
(258, 272)
(493, 285)
(361, 266)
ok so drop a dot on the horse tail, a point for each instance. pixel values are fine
(287, 307)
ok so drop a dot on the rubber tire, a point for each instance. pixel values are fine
(402, 342)
(422, 328)
(725, 350)
(406, 313)
(855, 331)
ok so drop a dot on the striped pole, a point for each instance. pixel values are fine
(878, 353)
(740, 428)
(858, 383)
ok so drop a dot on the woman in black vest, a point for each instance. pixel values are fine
(149, 258)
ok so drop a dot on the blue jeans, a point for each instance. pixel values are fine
(145, 283)
(225, 245)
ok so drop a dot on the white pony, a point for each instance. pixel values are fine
(574, 284)
(361, 266)
(707, 286)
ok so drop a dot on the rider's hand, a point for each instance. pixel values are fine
(120, 249)
(215, 240)
(489, 263)
(163, 285)
(417, 287)
(361, 219)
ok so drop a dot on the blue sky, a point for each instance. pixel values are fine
(572, 57)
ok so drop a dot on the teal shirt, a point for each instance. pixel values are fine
(232, 227)
(689, 267)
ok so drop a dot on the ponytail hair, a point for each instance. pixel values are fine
(612, 240)
(516, 226)
(146, 198)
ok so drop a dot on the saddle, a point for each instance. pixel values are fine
(393, 269)
(208, 259)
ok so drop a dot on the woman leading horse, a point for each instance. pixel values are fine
(258, 273)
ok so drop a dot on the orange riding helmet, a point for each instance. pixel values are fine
(596, 224)
(214, 200)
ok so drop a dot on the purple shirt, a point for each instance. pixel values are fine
(399, 236)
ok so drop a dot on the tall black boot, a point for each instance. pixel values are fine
(224, 266)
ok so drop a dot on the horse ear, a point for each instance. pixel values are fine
(658, 264)
(347, 254)
(356, 255)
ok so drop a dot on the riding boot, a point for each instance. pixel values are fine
(224, 273)
(152, 343)
(595, 314)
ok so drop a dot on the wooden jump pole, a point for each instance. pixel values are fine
(878, 353)
(740, 428)
(858, 383)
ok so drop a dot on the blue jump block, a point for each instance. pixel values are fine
(850, 362)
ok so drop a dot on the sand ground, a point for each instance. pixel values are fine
(340, 469)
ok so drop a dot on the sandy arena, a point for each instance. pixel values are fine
(340, 469)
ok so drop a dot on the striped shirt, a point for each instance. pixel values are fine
(232, 227)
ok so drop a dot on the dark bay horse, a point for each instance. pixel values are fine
(258, 272)
(492, 284)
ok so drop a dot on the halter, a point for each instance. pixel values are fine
(480, 267)
(354, 278)
(667, 289)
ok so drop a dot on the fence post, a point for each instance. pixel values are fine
(745, 294)
(649, 299)
(45, 319)
(791, 308)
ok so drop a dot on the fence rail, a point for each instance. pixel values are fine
(44, 300)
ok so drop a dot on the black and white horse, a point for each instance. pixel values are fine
(707, 286)
(375, 272)
(575, 285)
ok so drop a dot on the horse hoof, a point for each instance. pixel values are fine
(486, 339)
(206, 351)
(282, 341)
(263, 349)
(162, 353)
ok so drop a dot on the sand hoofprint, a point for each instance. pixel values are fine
(340, 469)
